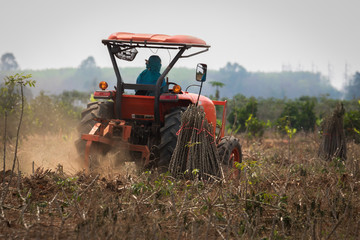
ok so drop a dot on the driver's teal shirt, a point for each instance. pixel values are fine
(151, 74)
(149, 77)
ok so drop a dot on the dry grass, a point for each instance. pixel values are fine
(278, 196)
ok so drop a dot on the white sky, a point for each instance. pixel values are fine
(260, 35)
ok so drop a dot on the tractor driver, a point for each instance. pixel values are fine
(150, 75)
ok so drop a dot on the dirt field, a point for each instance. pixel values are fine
(284, 192)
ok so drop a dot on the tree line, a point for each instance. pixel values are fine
(248, 111)
(254, 116)
(249, 115)
(227, 81)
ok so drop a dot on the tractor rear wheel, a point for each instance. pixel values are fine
(229, 150)
(169, 138)
(103, 110)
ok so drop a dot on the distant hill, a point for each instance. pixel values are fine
(273, 84)
(235, 77)
(278, 85)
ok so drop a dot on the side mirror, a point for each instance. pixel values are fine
(201, 70)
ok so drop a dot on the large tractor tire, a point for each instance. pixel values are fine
(229, 150)
(94, 110)
(169, 138)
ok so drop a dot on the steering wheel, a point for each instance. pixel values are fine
(171, 83)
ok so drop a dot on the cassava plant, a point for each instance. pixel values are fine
(17, 80)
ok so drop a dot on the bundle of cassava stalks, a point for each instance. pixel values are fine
(195, 154)
(333, 142)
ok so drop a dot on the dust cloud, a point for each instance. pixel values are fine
(58, 151)
(49, 152)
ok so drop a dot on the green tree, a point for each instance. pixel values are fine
(217, 85)
(234, 69)
(53, 113)
(254, 126)
(74, 98)
(8, 62)
(11, 81)
(240, 114)
(11, 99)
(352, 124)
(299, 114)
(353, 87)
(88, 73)
(88, 63)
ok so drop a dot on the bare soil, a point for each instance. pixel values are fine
(284, 192)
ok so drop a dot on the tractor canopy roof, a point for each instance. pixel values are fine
(123, 46)
(154, 40)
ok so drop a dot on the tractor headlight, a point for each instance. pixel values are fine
(103, 85)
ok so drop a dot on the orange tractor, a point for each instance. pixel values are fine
(146, 126)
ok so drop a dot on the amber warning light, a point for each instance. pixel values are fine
(177, 89)
(103, 85)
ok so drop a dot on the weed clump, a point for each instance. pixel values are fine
(333, 144)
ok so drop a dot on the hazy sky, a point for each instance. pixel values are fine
(260, 35)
